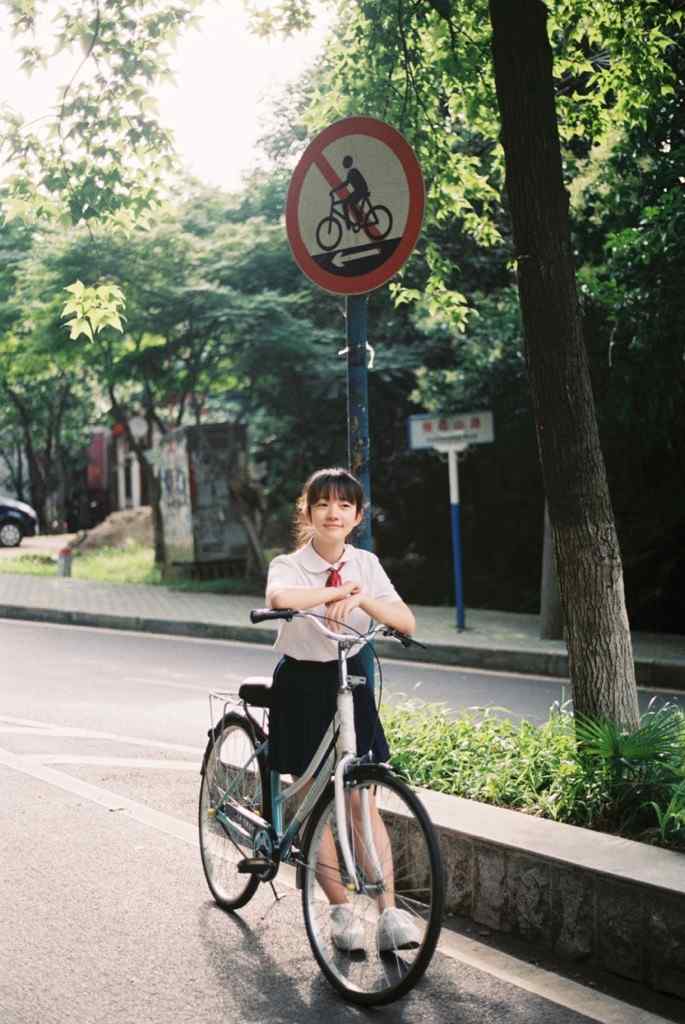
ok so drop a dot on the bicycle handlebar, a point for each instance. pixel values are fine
(288, 614)
(265, 614)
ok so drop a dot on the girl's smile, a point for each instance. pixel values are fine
(332, 519)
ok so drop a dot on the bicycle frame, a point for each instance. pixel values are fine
(331, 757)
(359, 210)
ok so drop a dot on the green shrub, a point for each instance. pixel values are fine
(635, 788)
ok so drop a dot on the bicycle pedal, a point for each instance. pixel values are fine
(253, 866)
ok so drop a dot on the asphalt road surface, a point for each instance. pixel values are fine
(105, 917)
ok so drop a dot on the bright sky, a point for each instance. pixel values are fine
(224, 77)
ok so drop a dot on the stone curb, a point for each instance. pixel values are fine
(613, 902)
(649, 672)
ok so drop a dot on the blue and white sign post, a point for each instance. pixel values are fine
(452, 435)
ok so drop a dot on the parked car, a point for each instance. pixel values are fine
(17, 520)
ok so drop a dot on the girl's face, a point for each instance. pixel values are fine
(333, 517)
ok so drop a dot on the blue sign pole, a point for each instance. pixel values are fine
(356, 315)
(455, 513)
(356, 312)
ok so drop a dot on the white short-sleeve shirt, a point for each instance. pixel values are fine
(305, 568)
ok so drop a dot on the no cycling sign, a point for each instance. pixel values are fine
(355, 206)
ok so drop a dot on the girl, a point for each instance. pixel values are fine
(349, 587)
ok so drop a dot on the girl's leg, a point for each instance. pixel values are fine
(328, 870)
(381, 854)
(328, 867)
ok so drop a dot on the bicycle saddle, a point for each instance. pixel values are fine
(256, 692)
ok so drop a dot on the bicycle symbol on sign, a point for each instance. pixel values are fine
(354, 211)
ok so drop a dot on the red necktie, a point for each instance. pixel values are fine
(334, 577)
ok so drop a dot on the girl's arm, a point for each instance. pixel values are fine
(302, 598)
(395, 614)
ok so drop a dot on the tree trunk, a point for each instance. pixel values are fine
(551, 618)
(248, 514)
(585, 540)
(152, 482)
(155, 492)
(37, 482)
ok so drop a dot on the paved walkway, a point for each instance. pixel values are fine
(495, 640)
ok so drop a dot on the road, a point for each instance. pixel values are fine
(126, 665)
(105, 917)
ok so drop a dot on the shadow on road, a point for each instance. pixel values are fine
(273, 977)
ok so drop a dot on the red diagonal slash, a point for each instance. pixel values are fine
(333, 180)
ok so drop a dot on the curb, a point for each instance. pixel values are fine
(131, 623)
(649, 672)
(617, 904)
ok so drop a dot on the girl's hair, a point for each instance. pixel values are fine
(325, 483)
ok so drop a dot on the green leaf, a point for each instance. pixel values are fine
(78, 327)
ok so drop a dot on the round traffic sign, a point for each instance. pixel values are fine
(355, 206)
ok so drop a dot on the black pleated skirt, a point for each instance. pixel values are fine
(303, 704)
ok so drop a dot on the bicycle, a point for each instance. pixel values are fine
(375, 221)
(243, 838)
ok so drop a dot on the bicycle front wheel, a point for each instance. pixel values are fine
(393, 920)
(329, 233)
(230, 769)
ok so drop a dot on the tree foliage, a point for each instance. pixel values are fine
(220, 322)
(102, 151)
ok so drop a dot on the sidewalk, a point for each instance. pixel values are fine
(503, 641)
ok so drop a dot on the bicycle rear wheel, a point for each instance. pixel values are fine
(398, 865)
(230, 767)
(378, 221)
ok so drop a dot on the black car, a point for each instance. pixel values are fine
(17, 520)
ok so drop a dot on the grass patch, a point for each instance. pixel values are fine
(541, 770)
(134, 563)
(29, 565)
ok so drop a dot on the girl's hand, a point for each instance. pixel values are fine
(343, 591)
(338, 611)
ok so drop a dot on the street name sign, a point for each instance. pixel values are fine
(450, 435)
(355, 206)
(426, 431)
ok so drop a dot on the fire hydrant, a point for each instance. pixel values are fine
(64, 562)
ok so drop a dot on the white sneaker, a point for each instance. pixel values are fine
(396, 930)
(346, 930)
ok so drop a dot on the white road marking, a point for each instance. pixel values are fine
(72, 732)
(92, 760)
(227, 677)
(571, 994)
(103, 797)
(30, 722)
(24, 730)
